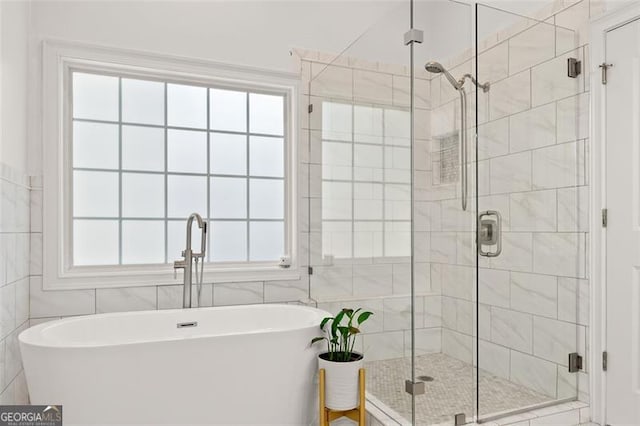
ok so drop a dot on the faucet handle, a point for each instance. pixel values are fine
(178, 264)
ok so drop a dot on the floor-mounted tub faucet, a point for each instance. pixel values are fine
(189, 257)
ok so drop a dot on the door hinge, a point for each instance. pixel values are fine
(605, 360)
(414, 388)
(310, 270)
(310, 108)
(604, 67)
(460, 419)
(575, 362)
(605, 217)
(574, 68)
(413, 36)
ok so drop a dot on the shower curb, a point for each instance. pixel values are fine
(563, 414)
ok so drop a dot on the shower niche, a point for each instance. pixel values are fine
(446, 162)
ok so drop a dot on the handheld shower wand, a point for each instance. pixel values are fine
(437, 68)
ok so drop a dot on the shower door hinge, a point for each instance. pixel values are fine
(414, 388)
(413, 36)
(604, 67)
(310, 270)
(574, 67)
(605, 360)
(605, 214)
(575, 362)
(310, 108)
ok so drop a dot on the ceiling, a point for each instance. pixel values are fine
(261, 33)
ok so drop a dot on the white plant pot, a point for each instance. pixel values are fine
(341, 383)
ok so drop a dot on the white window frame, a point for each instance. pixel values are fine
(59, 60)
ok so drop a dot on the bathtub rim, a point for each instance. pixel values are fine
(33, 336)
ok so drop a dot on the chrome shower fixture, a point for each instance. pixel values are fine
(437, 68)
(485, 87)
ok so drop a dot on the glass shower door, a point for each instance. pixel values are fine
(360, 199)
(444, 194)
(532, 204)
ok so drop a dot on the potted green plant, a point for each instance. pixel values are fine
(340, 362)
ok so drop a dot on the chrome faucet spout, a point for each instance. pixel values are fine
(202, 225)
(189, 256)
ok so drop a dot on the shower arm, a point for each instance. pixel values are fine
(485, 87)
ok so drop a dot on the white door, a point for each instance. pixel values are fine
(623, 229)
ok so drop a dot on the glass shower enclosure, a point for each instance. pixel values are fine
(446, 192)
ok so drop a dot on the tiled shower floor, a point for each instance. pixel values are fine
(450, 392)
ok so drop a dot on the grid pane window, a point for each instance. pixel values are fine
(366, 181)
(148, 153)
(228, 154)
(266, 114)
(229, 241)
(88, 89)
(85, 235)
(228, 110)
(142, 242)
(142, 148)
(187, 106)
(228, 197)
(187, 151)
(142, 101)
(142, 195)
(96, 145)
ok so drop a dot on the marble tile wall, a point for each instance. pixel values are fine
(14, 281)
(46, 305)
(533, 147)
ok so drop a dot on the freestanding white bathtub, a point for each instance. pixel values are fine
(249, 365)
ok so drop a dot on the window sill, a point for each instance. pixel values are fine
(140, 276)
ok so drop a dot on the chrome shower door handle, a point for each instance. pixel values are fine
(489, 232)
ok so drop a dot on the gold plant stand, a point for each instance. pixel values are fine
(328, 415)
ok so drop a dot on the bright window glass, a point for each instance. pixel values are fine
(146, 153)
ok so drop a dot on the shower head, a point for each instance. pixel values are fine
(434, 67)
(437, 68)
